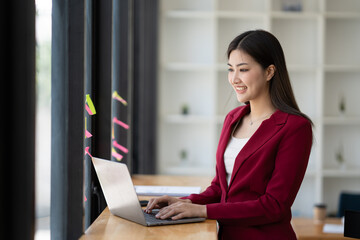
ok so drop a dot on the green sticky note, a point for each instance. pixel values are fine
(90, 103)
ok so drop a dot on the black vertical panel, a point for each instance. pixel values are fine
(17, 135)
(67, 119)
(101, 95)
(88, 168)
(145, 85)
(102, 78)
(121, 82)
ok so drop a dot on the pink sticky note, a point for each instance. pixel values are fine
(117, 121)
(119, 98)
(116, 155)
(122, 148)
(88, 109)
(85, 199)
(87, 151)
(90, 103)
(88, 134)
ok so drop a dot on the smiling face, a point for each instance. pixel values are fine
(249, 80)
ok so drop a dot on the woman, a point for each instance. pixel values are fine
(263, 150)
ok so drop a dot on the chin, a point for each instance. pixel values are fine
(242, 100)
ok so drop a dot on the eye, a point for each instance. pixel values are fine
(230, 70)
(244, 70)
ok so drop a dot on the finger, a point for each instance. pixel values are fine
(167, 214)
(151, 205)
(179, 216)
(163, 211)
(156, 203)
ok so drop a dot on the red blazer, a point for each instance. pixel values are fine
(267, 175)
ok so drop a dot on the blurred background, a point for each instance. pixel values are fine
(320, 44)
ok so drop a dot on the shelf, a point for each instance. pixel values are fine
(187, 119)
(189, 14)
(299, 40)
(295, 15)
(323, 60)
(342, 7)
(342, 15)
(342, 120)
(243, 6)
(302, 68)
(342, 68)
(187, 5)
(186, 66)
(341, 41)
(346, 173)
(240, 15)
(307, 6)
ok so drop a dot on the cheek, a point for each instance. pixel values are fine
(230, 78)
(254, 80)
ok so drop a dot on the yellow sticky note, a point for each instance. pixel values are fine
(90, 103)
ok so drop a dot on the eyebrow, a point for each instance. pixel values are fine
(238, 65)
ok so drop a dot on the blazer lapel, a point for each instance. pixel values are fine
(224, 140)
(267, 129)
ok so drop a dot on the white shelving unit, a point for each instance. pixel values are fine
(321, 48)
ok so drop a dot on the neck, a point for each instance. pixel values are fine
(261, 109)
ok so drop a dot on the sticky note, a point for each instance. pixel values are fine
(122, 148)
(91, 105)
(87, 151)
(88, 134)
(88, 110)
(119, 98)
(112, 131)
(117, 121)
(116, 155)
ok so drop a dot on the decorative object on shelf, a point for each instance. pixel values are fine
(184, 157)
(342, 105)
(340, 157)
(292, 5)
(185, 109)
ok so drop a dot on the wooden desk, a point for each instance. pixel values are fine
(108, 226)
(306, 229)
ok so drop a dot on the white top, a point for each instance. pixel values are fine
(232, 150)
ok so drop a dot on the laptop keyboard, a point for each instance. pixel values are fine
(150, 217)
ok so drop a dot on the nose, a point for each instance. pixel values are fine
(235, 78)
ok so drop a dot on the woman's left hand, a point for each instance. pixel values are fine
(180, 210)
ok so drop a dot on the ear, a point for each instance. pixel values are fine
(270, 71)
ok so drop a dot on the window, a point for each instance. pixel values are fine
(43, 119)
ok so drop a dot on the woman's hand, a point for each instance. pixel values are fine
(163, 201)
(175, 208)
(182, 209)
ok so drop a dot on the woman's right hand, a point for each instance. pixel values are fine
(163, 201)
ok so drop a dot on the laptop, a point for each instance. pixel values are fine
(121, 198)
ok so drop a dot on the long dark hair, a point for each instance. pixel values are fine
(264, 48)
